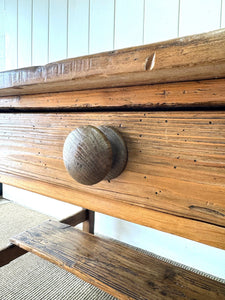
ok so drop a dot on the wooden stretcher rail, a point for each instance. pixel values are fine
(190, 58)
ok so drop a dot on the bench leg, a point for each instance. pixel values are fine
(88, 225)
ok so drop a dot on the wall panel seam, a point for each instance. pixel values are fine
(67, 28)
(178, 21)
(89, 24)
(114, 24)
(143, 29)
(17, 34)
(31, 32)
(48, 30)
(221, 12)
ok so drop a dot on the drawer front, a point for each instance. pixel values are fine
(174, 179)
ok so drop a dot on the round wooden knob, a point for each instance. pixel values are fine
(92, 154)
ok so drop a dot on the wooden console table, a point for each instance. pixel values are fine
(167, 102)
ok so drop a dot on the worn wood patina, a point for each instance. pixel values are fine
(166, 100)
(114, 267)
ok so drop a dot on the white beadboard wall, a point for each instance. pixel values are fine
(42, 31)
(35, 32)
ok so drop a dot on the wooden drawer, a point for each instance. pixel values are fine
(174, 180)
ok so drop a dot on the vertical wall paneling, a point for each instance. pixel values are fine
(57, 30)
(161, 20)
(2, 5)
(197, 16)
(222, 13)
(11, 34)
(129, 18)
(40, 32)
(78, 27)
(101, 25)
(24, 33)
(2, 35)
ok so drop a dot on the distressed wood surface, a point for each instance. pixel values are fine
(195, 57)
(11, 251)
(92, 154)
(121, 270)
(174, 180)
(202, 232)
(204, 93)
(87, 155)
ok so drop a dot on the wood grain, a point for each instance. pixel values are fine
(80, 217)
(119, 151)
(174, 180)
(89, 224)
(204, 93)
(190, 58)
(202, 232)
(11, 251)
(114, 267)
(93, 154)
(87, 155)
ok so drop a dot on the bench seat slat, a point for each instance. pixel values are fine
(115, 267)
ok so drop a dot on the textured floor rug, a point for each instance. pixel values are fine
(30, 277)
(15, 219)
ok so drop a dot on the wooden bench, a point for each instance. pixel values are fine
(167, 102)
